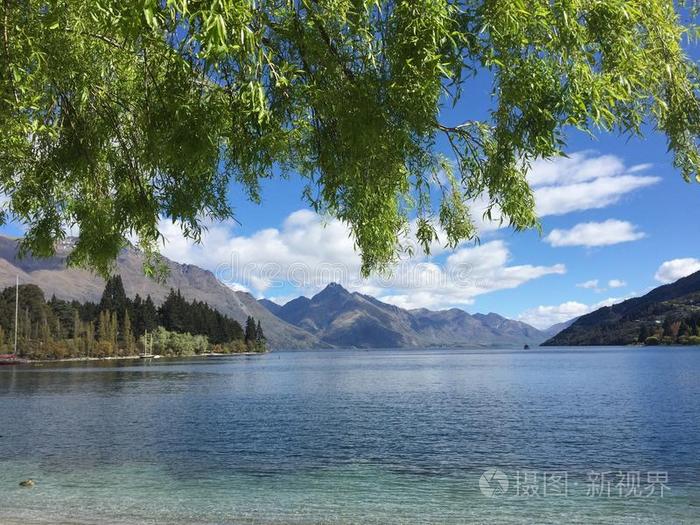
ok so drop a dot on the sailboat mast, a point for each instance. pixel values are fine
(16, 311)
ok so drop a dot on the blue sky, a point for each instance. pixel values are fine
(613, 214)
(617, 220)
(660, 220)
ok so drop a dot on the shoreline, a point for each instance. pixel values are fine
(137, 357)
(215, 354)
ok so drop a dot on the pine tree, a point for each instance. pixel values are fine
(45, 332)
(170, 314)
(149, 315)
(643, 334)
(103, 328)
(89, 337)
(668, 328)
(259, 335)
(127, 337)
(114, 297)
(250, 331)
(58, 330)
(137, 315)
(113, 329)
(76, 325)
(64, 328)
(78, 346)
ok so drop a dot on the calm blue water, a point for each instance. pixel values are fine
(351, 436)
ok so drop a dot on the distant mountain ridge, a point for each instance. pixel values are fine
(342, 318)
(333, 317)
(559, 327)
(631, 320)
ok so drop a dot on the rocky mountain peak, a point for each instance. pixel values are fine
(332, 290)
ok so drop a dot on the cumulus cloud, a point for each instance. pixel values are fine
(577, 167)
(594, 284)
(466, 274)
(616, 283)
(590, 285)
(266, 257)
(598, 193)
(592, 234)
(546, 316)
(674, 269)
(582, 181)
(307, 252)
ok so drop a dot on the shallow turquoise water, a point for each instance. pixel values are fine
(353, 436)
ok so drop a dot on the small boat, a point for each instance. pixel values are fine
(12, 359)
(526, 347)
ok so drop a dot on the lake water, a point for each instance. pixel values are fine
(391, 436)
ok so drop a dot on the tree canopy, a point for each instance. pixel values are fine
(115, 113)
(117, 325)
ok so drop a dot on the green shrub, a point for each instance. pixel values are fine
(176, 344)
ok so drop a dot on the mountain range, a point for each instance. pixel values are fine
(663, 314)
(333, 317)
(341, 318)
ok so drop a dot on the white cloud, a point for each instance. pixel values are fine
(238, 287)
(582, 181)
(282, 299)
(307, 252)
(590, 285)
(466, 274)
(612, 300)
(674, 269)
(595, 234)
(598, 193)
(546, 316)
(577, 167)
(265, 257)
(594, 284)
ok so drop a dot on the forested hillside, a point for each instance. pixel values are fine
(669, 314)
(118, 326)
(55, 277)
